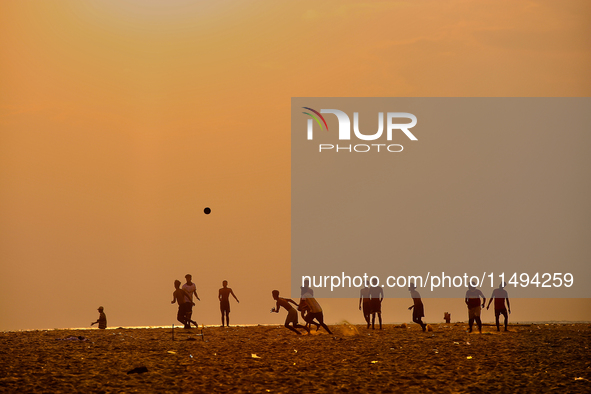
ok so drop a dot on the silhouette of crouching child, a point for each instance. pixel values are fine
(102, 320)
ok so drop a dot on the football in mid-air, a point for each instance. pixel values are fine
(207, 211)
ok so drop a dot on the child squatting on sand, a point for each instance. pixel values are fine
(102, 320)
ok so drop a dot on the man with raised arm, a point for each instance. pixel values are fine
(224, 297)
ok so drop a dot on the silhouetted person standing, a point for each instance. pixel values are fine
(365, 303)
(189, 289)
(292, 314)
(102, 320)
(473, 301)
(500, 295)
(224, 297)
(376, 295)
(418, 310)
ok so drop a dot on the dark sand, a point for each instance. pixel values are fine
(536, 358)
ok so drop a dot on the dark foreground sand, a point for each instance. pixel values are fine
(536, 358)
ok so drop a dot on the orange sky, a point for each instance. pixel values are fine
(121, 120)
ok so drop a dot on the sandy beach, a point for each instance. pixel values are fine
(528, 358)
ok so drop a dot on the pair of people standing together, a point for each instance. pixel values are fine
(372, 298)
(184, 297)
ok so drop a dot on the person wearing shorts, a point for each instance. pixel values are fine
(365, 303)
(292, 314)
(189, 289)
(472, 300)
(418, 310)
(224, 297)
(376, 295)
(500, 296)
(313, 311)
(178, 296)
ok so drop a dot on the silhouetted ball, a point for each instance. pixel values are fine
(207, 211)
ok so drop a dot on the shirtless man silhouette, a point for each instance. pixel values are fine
(224, 297)
(365, 304)
(500, 295)
(376, 295)
(472, 300)
(292, 314)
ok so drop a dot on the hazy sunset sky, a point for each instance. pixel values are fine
(121, 120)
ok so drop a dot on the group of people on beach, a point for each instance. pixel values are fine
(370, 299)
(183, 296)
(370, 302)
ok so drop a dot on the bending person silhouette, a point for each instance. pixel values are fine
(224, 297)
(313, 311)
(292, 314)
(500, 295)
(473, 302)
(418, 310)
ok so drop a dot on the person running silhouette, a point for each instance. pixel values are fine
(313, 311)
(376, 295)
(189, 289)
(500, 295)
(179, 296)
(305, 289)
(292, 314)
(418, 310)
(224, 297)
(473, 302)
(364, 301)
(102, 320)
